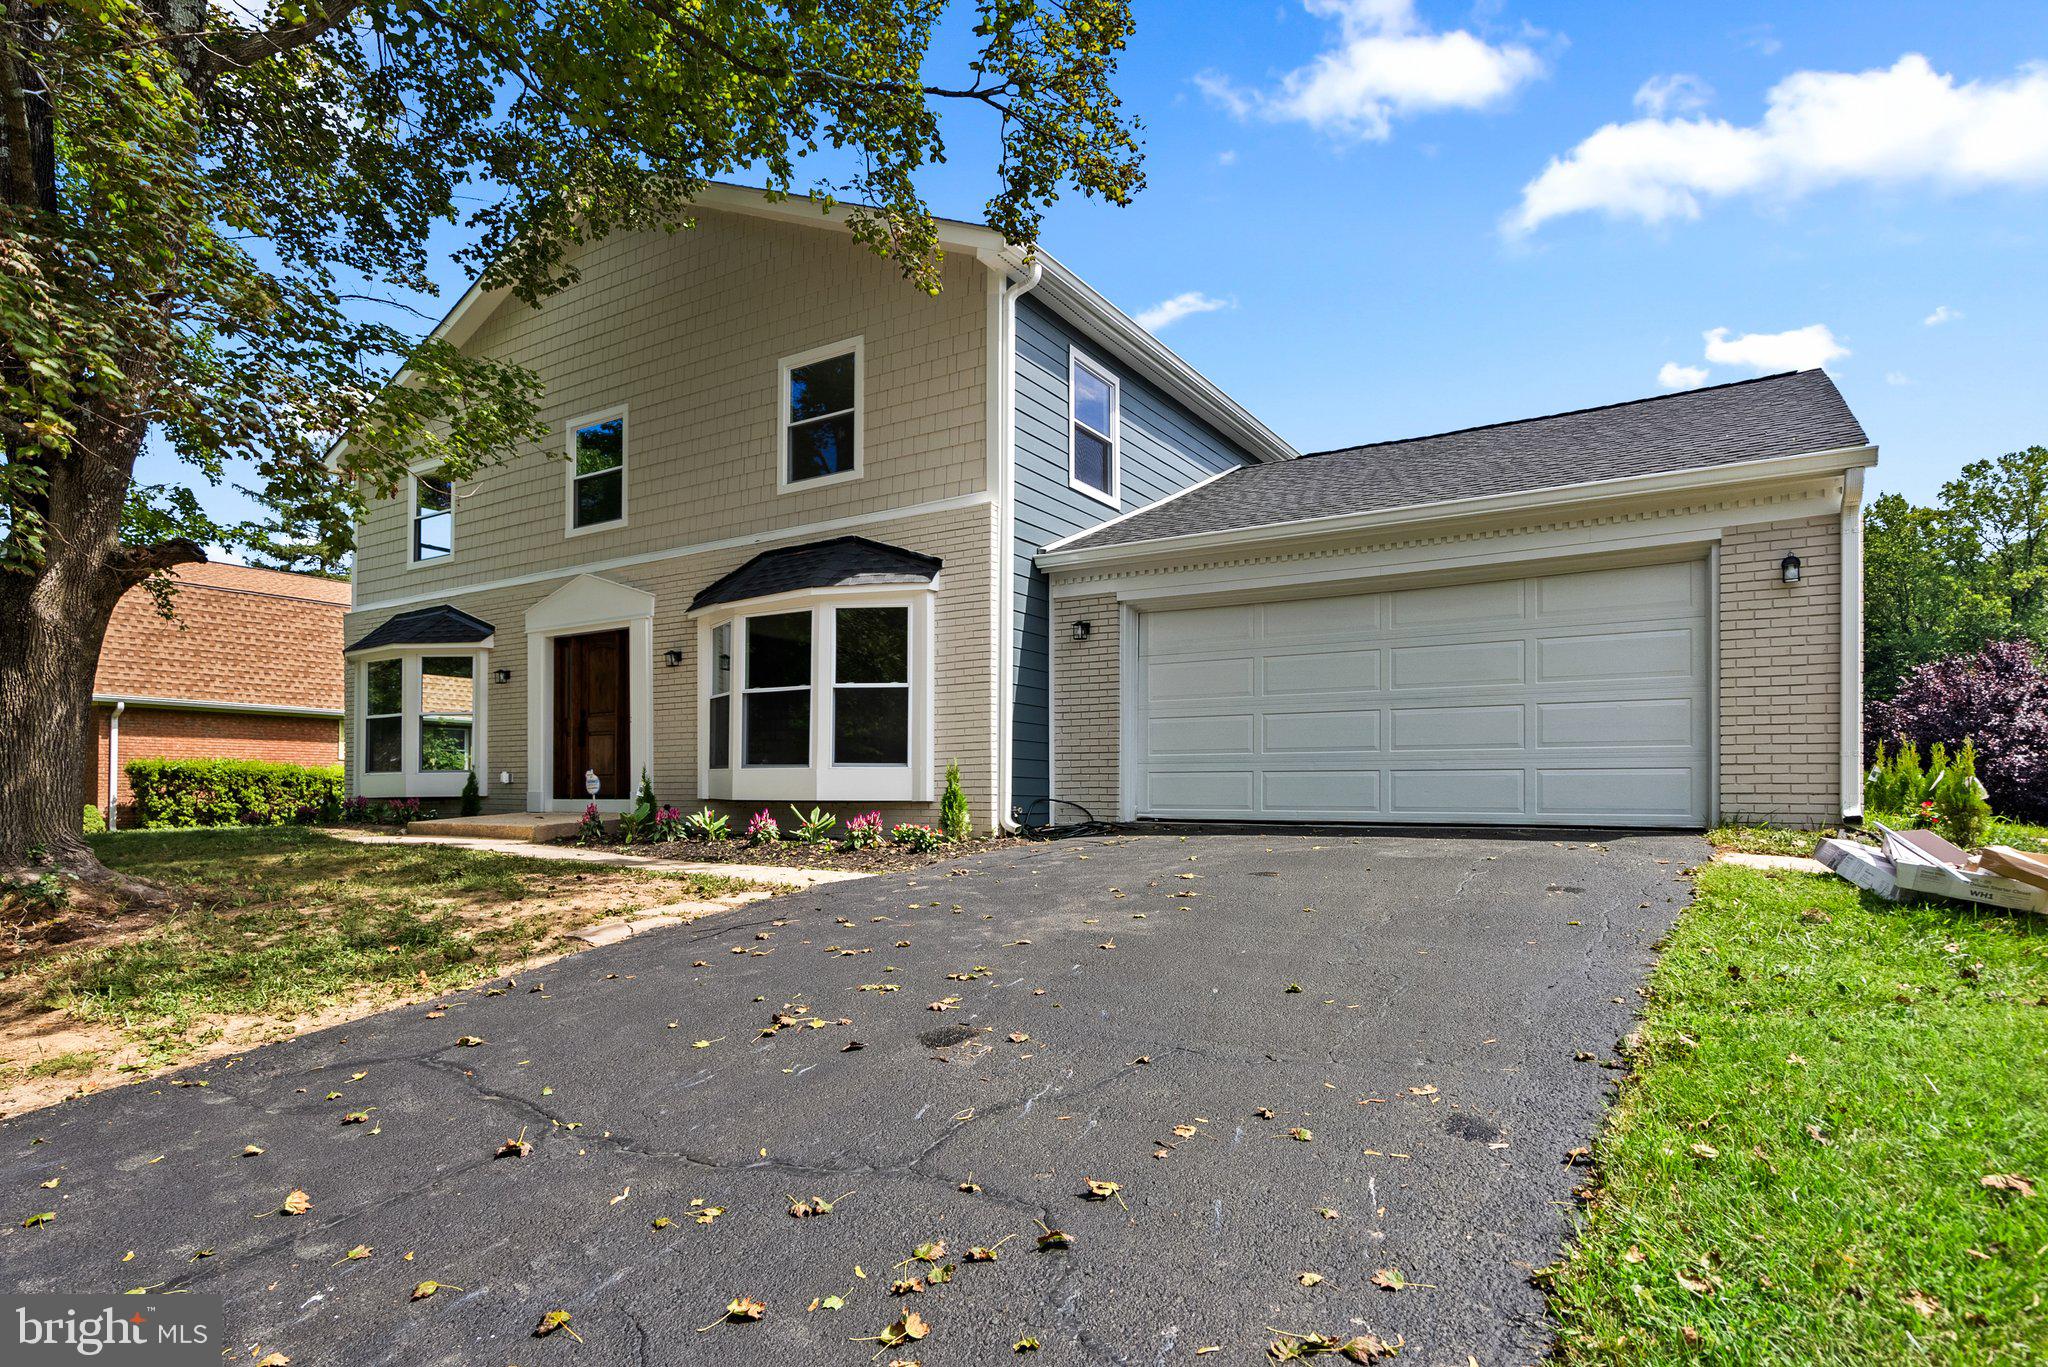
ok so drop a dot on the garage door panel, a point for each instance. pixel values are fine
(1321, 618)
(1314, 791)
(1563, 699)
(1336, 671)
(1288, 732)
(1168, 681)
(1617, 722)
(1457, 728)
(1458, 604)
(1458, 666)
(1616, 656)
(1604, 793)
(1437, 792)
(1222, 734)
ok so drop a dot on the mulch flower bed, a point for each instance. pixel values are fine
(798, 855)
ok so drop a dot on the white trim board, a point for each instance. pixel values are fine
(620, 562)
(205, 705)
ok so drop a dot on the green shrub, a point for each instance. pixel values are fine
(912, 836)
(1962, 812)
(638, 824)
(175, 794)
(472, 800)
(95, 821)
(954, 818)
(706, 825)
(814, 829)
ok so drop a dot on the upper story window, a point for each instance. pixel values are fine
(597, 473)
(1092, 456)
(820, 419)
(433, 516)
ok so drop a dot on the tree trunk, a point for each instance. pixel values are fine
(51, 625)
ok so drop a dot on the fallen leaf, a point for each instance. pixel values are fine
(1309, 1278)
(470, 1042)
(1696, 1282)
(1099, 1190)
(40, 1218)
(250, 1150)
(1926, 1305)
(1027, 1344)
(297, 1203)
(553, 1320)
(1703, 1150)
(1389, 1278)
(430, 1287)
(272, 1360)
(517, 1147)
(2006, 1181)
(1301, 1134)
(50, 1185)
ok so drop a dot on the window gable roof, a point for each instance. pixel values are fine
(843, 562)
(440, 625)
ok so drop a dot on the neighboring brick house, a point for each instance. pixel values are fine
(247, 667)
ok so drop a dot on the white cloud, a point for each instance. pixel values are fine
(1799, 349)
(1905, 125)
(1897, 378)
(1167, 312)
(1677, 93)
(1672, 375)
(1942, 314)
(1385, 63)
(1227, 157)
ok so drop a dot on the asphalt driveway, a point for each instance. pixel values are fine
(1099, 994)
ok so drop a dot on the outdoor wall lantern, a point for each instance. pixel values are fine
(1081, 630)
(501, 676)
(1788, 569)
(674, 657)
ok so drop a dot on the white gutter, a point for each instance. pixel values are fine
(1852, 643)
(1006, 532)
(121, 700)
(114, 763)
(1829, 462)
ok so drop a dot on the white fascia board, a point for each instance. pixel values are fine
(211, 705)
(1663, 485)
(1110, 328)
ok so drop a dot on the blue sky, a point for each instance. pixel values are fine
(1397, 217)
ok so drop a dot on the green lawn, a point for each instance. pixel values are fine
(1765, 839)
(287, 921)
(1793, 1172)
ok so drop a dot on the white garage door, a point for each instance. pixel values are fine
(1571, 699)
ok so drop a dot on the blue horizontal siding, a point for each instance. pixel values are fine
(1161, 449)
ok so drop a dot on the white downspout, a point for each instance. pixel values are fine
(1006, 520)
(1852, 643)
(114, 763)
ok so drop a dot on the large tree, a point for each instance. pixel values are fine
(205, 209)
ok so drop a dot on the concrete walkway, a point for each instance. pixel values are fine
(757, 873)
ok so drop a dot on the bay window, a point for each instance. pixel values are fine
(383, 716)
(834, 697)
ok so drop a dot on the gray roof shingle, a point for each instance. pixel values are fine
(440, 625)
(1774, 415)
(838, 563)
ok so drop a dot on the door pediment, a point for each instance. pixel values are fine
(586, 600)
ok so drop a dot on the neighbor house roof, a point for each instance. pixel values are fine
(440, 625)
(1791, 414)
(238, 636)
(843, 562)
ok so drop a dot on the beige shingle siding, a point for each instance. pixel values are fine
(965, 664)
(1087, 709)
(1781, 673)
(686, 330)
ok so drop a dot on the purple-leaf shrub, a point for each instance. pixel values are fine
(1997, 698)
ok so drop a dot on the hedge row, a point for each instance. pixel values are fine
(176, 793)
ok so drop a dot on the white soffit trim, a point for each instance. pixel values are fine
(1663, 484)
(212, 705)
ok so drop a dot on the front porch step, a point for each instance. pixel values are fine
(538, 827)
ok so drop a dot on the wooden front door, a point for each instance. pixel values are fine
(592, 714)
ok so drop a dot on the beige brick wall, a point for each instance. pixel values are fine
(1781, 673)
(1086, 743)
(965, 665)
(687, 331)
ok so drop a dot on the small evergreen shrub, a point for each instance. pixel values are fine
(954, 818)
(638, 823)
(178, 794)
(1961, 812)
(863, 832)
(472, 800)
(706, 825)
(95, 821)
(762, 830)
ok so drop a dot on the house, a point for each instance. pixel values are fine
(247, 667)
(802, 534)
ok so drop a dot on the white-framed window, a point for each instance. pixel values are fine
(819, 416)
(597, 472)
(718, 709)
(826, 695)
(421, 721)
(384, 717)
(433, 515)
(1092, 455)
